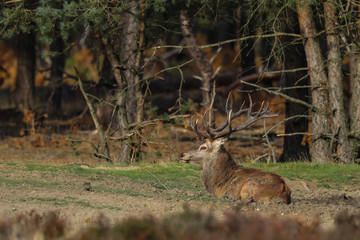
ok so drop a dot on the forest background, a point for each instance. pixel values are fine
(143, 63)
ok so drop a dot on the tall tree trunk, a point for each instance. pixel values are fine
(320, 124)
(25, 78)
(126, 69)
(128, 47)
(294, 148)
(202, 63)
(355, 96)
(355, 106)
(336, 93)
(140, 97)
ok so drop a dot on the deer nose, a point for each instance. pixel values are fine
(181, 155)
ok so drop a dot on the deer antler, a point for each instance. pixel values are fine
(195, 128)
(252, 117)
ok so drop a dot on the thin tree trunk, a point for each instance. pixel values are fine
(336, 92)
(105, 151)
(318, 78)
(25, 78)
(122, 122)
(202, 63)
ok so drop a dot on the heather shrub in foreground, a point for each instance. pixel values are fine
(189, 224)
(32, 226)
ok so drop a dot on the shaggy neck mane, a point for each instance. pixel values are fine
(219, 172)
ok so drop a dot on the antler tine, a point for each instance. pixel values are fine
(266, 108)
(195, 128)
(241, 111)
(229, 119)
(230, 99)
(191, 123)
(233, 115)
(209, 130)
(204, 119)
(249, 111)
(262, 113)
(218, 133)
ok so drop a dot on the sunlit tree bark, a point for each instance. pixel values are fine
(336, 92)
(319, 87)
(355, 94)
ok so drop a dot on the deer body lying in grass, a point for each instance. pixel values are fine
(220, 174)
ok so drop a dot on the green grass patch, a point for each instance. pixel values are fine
(41, 167)
(184, 178)
(325, 175)
(30, 182)
(161, 176)
(11, 163)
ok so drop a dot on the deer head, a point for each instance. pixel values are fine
(202, 150)
(213, 139)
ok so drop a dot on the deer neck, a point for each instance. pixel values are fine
(217, 171)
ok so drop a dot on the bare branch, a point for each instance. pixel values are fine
(269, 143)
(135, 127)
(218, 44)
(278, 93)
(104, 144)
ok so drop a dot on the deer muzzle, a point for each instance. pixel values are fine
(183, 159)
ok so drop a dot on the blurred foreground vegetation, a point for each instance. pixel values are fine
(189, 224)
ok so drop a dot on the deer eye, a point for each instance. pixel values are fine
(202, 148)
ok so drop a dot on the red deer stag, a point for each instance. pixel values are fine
(220, 174)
